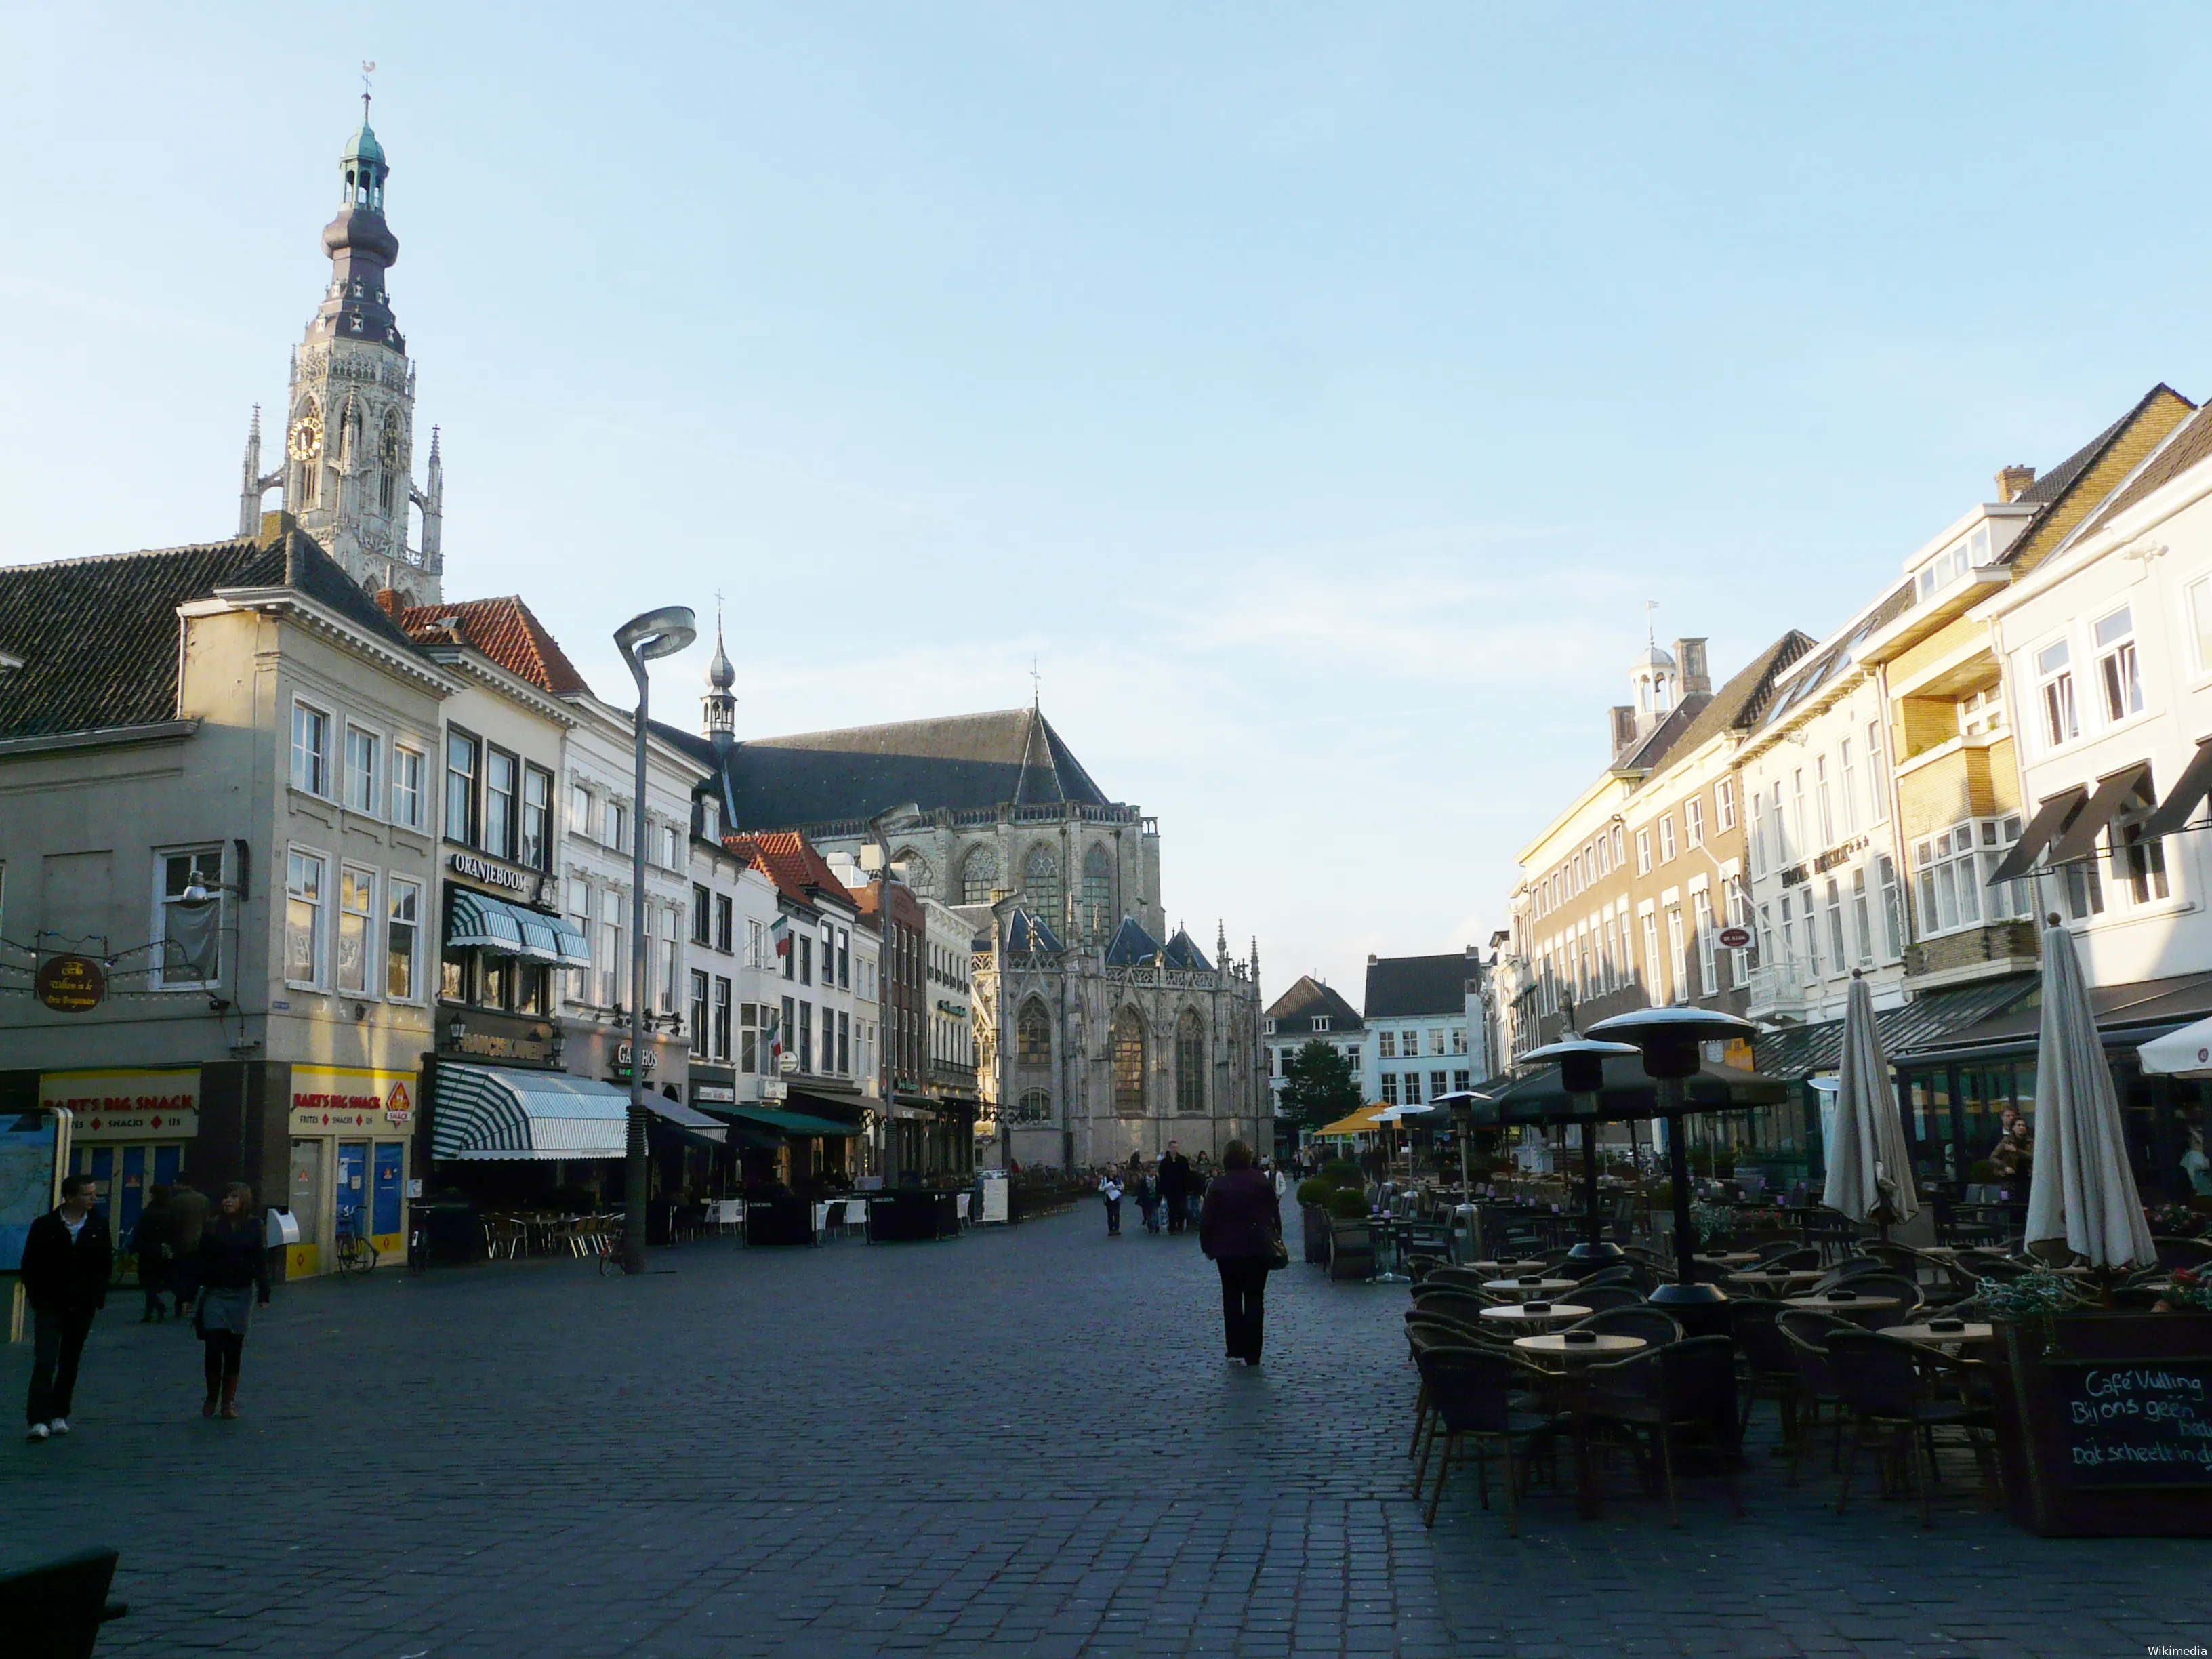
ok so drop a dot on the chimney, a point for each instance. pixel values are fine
(1624, 726)
(275, 526)
(2012, 482)
(388, 601)
(1690, 663)
(1370, 959)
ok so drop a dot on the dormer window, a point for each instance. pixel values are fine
(1320, 1022)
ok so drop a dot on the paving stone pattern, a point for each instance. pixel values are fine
(1024, 1443)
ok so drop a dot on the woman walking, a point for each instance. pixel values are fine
(1240, 1228)
(232, 1264)
(150, 1242)
(1111, 1188)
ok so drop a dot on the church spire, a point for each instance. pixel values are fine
(720, 702)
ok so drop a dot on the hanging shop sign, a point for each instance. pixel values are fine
(329, 1098)
(71, 984)
(1733, 938)
(127, 1105)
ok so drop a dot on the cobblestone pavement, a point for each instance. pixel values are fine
(1022, 1443)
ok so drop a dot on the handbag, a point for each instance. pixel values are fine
(1279, 1253)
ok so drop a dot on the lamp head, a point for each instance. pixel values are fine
(656, 633)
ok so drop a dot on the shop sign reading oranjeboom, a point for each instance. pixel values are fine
(328, 1098)
(127, 1105)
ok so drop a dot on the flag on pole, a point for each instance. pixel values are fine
(775, 1039)
(781, 933)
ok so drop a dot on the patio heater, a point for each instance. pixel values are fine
(641, 639)
(1582, 1074)
(1459, 1106)
(1669, 1039)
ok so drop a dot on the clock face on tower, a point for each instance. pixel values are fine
(306, 438)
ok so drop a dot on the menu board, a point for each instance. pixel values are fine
(2140, 1424)
(2105, 1424)
(29, 1146)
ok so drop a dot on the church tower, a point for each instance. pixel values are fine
(348, 435)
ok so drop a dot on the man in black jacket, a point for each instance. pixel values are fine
(1175, 1186)
(67, 1258)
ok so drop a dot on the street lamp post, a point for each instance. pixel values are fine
(641, 639)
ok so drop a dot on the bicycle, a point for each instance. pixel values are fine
(611, 1251)
(355, 1255)
(418, 1245)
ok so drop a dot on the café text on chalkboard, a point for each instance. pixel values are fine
(2137, 1423)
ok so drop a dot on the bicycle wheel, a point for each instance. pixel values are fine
(610, 1261)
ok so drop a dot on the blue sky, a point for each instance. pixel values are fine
(1316, 394)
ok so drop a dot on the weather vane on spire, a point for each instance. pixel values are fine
(1037, 685)
(1650, 626)
(367, 68)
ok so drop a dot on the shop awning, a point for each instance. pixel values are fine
(1798, 1051)
(575, 950)
(2189, 791)
(492, 1113)
(480, 920)
(2185, 1053)
(539, 942)
(792, 1126)
(2049, 818)
(2112, 796)
(694, 1124)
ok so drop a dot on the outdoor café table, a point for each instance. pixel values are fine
(1776, 1280)
(1728, 1258)
(1536, 1315)
(1551, 1348)
(1496, 1268)
(1972, 1331)
(1528, 1290)
(1849, 1308)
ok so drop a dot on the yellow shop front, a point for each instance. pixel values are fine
(351, 1168)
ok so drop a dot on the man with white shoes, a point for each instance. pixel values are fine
(67, 1258)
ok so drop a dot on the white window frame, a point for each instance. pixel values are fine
(1693, 821)
(1877, 774)
(1643, 852)
(1724, 803)
(396, 888)
(2055, 697)
(300, 752)
(1847, 784)
(320, 944)
(365, 875)
(2119, 667)
(415, 820)
(1666, 839)
(580, 810)
(1701, 921)
(2197, 592)
(376, 769)
(1755, 832)
(163, 903)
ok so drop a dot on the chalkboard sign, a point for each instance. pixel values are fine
(2148, 1423)
(2105, 1424)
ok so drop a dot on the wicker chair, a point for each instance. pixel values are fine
(1472, 1392)
(1691, 1392)
(1890, 1397)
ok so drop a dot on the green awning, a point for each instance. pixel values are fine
(792, 1126)
(478, 919)
(539, 942)
(575, 950)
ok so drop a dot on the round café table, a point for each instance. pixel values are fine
(1728, 1258)
(1776, 1280)
(1528, 1290)
(1972, 1331)
(1849, 1308)
(1551, 1347)
(1496, 1268)
(1536, 1315)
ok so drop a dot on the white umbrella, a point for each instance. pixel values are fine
(1869, 1166)
(2185, 1053)
(2083, 1190)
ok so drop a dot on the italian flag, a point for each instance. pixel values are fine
(781, 933)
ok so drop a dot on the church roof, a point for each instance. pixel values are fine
(505, 630)
(1011, 756)
(1132, 946)
(1026, 931)
(1294, 1010)
(1183, 951)
(126, 675)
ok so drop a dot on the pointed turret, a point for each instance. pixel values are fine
(249, 484)
(362, 248)
(720, 702)
(432, 500)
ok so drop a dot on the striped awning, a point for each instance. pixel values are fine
(488, 1112)
(539, 942)
(568, 939)
(478, 919)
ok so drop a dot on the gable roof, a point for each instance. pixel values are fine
(790, 860)
(1132, 946)
(1295, 1009)
(2182, 448)
(507, 631)
(1417, 985)
(1183, 951)
(45, 610)
(1012, 757)
(1026, 931)
(2066, 494)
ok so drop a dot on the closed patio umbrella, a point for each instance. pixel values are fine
(2082, 1189)
(1869, 1166)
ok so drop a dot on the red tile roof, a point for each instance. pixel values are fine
(791, 862)
(504, 630)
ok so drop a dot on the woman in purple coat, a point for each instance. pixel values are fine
(1240, 1228)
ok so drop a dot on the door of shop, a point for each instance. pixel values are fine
(389, 1166)
(306, 1258)
(124, 1174)
(353, 1188)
